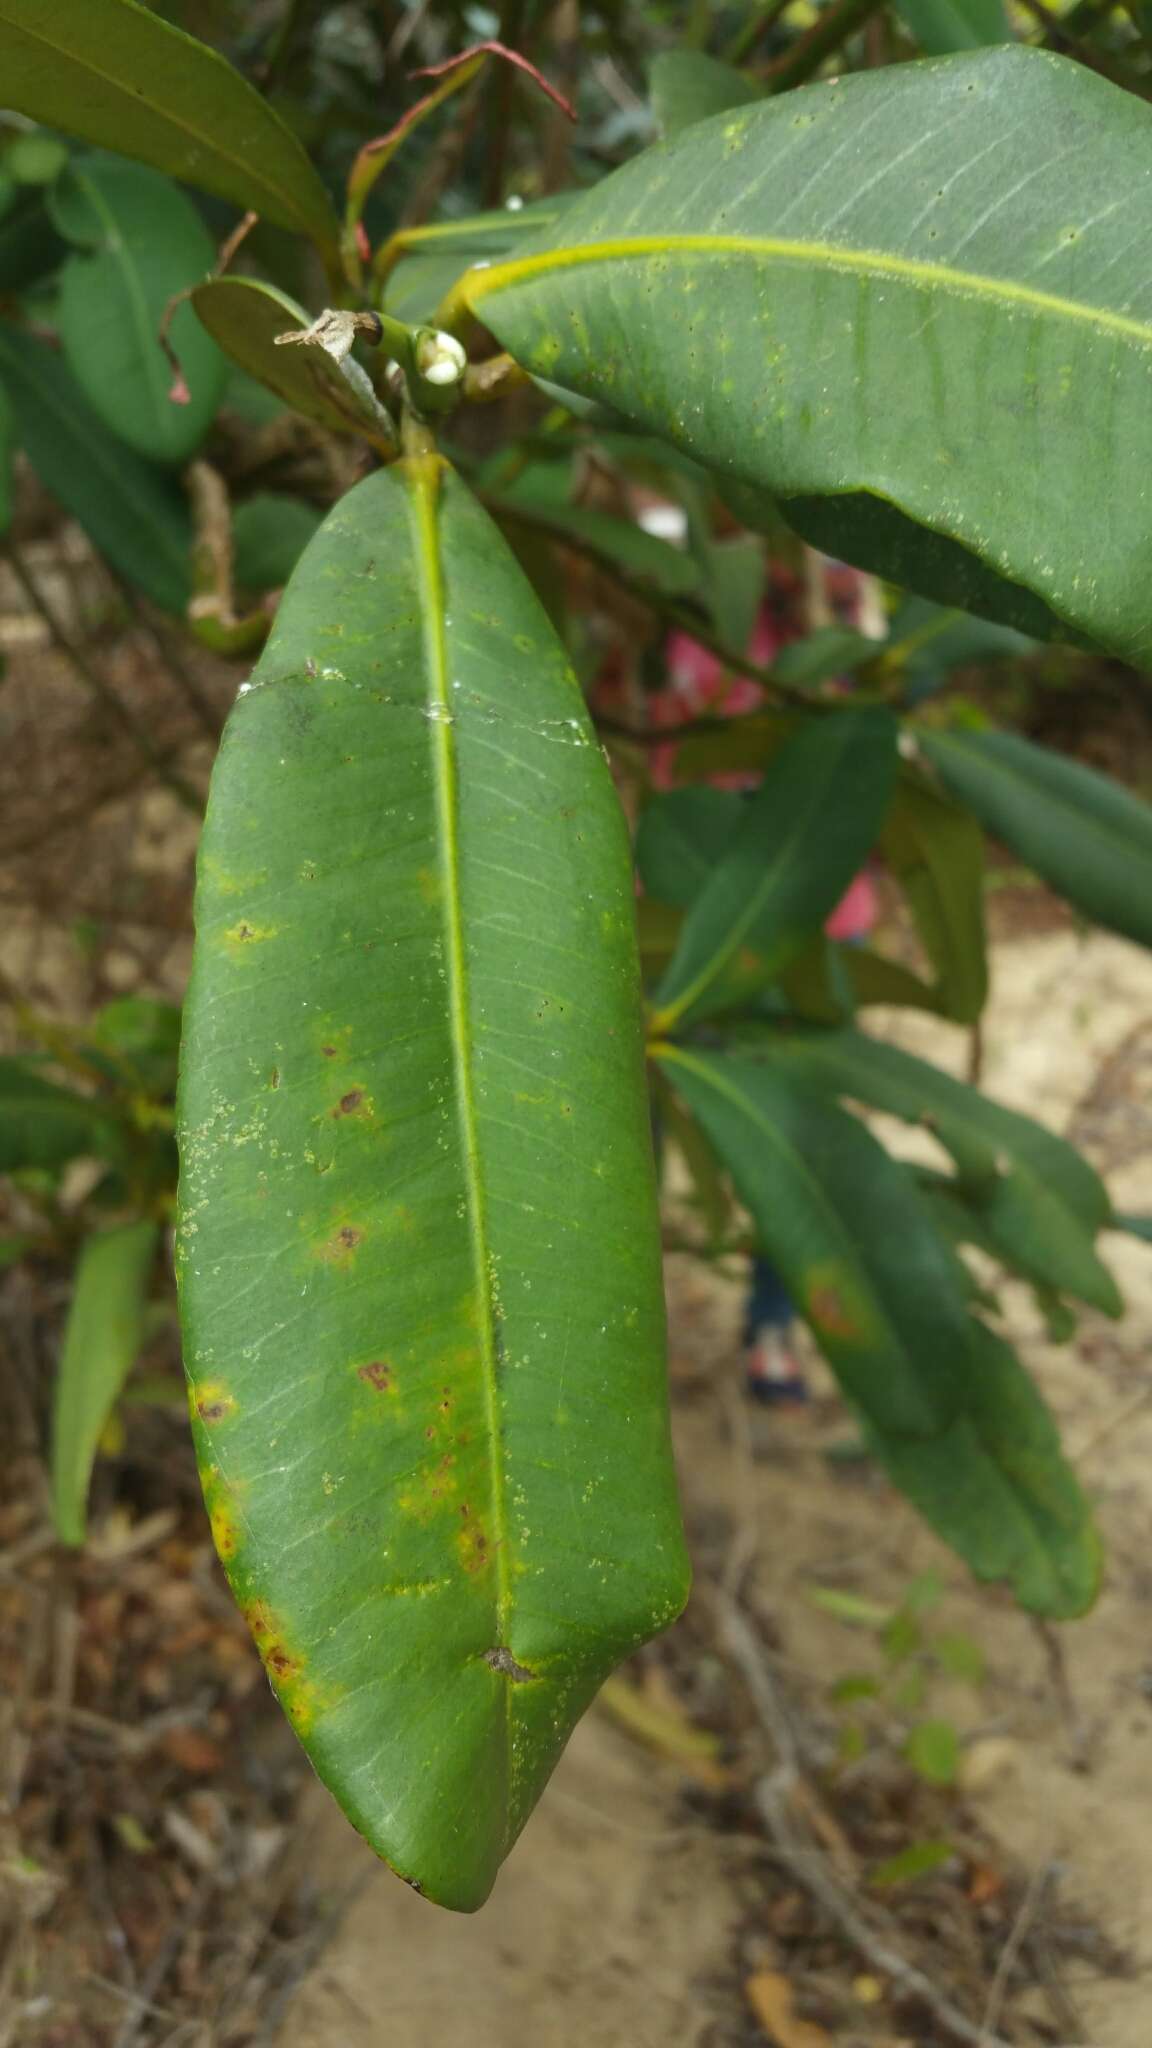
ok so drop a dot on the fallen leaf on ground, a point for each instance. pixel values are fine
(771, 1998)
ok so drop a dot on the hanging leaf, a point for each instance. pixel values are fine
(687, 86)
(245, 317)
(270, 533)
(944, 27)
(419, 1249)
(806, 832)
(935, 850)
(949, 1411)
(115, 74)
(44, 1126)
(131, 511)
(1089, 839)
(1037, 1201)
(896, 292)
(137, 242)
(102, 1339)
(929, 642)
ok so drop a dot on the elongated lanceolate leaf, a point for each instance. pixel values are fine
(925, 284)
(115, 74)
(809, 827)
(948, 1409)
(682, 835)
(935, 850)
(1090, 839)
(1039, 1201)
(138, 241)
(132, 510)
(688, 86)
(245, 317)
(419, 1252)
(104, 1333)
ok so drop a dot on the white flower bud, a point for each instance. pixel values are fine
(440, 358)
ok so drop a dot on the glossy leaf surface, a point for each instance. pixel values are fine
(102, 1338)
(115, 74)
(805, 833)
(1090, 839)
(419, 1250)
(922, 287)
(245, 317)
(138, 241)
(949, 1411)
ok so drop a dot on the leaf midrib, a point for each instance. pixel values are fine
(423, 476)
(885, 264)
(994, 766)
(206, 139)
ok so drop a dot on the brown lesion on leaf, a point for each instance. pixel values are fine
(472, 1546)
(211, 1401)
(501, 1659)
(298, 1694)
(831, 1312)
(341, 1247)
(354, 1102)
(377, 1374)
(246, 933)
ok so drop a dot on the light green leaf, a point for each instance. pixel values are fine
(270, 533)
(806, 832)
(949, 1411)
(132, 511)
(898, 290)
(419, 1250)
(44, 1126)
(1089, 839)
(245, 317)
(139, 242)
(103, 1335)
(944, 27)
(687, 86)
(919, 1859)
(114, 74)
(935, 850)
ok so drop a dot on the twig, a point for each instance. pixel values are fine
(102, 690)
(1029, 1907)
(738, 1639)
(814, 1872)
(832, 27)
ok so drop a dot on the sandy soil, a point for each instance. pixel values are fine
(619, 1919)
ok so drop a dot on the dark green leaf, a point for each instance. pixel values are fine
(113, 73)
(682, 836)
(101, 1341)
(539, 493)
(949, 1411)
(139, 243)
(1089, 839)
(936, 852)
(245, 317)
(828, 652)
(687, 86)
(435, 256)
(7, 460)
(44, 1126)
(269, 534)
(899, 289)
(928, 642)
(944, 27)
(30, 248)
(419, 1248)
(805, 833)
(132, 511)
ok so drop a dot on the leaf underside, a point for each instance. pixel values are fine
(926, 283)
(419, 1252)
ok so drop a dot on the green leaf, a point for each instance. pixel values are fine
(828, 652)
(101, 1341)
(933, 1751)
(899, 289)
(935, 850)
(959, 1657)
(919, 1859)
(7, 460)
(114, 74)
(30, 248)
(139, 242)
(245, 317)
(144, 1036)
(805, 833)
(687, 86)
(1035, 1202)
(132, 511)
(944, 27)
(949, 1411)
(850, 1608)
(1089, 839)
(620, 541)
(270, 533)
(434, 257)
(928, 642)
(419, 1249)
(682, 835)
(44, 1126)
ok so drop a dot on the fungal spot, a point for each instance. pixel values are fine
(329, 1051)
(353, 1104)
(247, 934)
(215, 1410)
(472, 1547)
(502, 1660)
(338, 1249)
(274, 1078)
(827, 1308)
(377, 1375)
